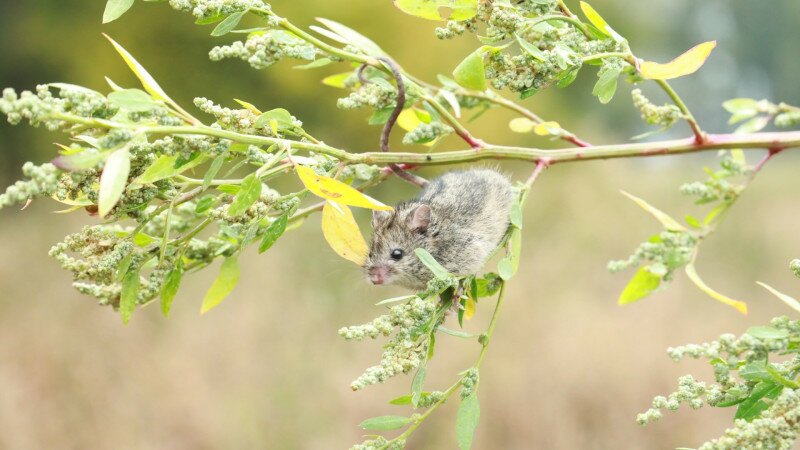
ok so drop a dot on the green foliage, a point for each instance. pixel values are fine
(151, 170)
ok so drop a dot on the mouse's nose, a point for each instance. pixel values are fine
(377, 275)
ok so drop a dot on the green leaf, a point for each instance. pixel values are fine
(130, 291)
(755, 371)
(471, 72)
(488, 285)
(170, 288)
(322, 62)
(384, 423)
(753, 125)
(641, 285)
(148, 82)
(223, 285)
(754, 405)
(204, 204)
(455, 333)
(113, 180)
(115, 9)
(439, 9)
(530, 48)
(668, 222)
(353, 37)
(400, 401)
(767, 333)
(505, 268)
(790, 301)
(249, 192)
(516, 214)
(212, 171)
(606, 84)
(380, 116)
(274, 231)
(417, 384)
(230, 22)
(427, 259)
(469, 413)
(163, 167)
(402, 298)
(279, 115)
(135, 100)
(338, 80)
(567, 77)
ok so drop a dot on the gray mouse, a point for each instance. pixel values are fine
(459, 217)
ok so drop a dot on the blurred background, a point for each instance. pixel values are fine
(567, 368)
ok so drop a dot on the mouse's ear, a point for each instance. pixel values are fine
(419, 218)
(379, 217)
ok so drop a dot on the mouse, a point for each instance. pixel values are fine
(459, 217)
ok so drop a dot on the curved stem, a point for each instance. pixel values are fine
(457, 126)
(699, 135)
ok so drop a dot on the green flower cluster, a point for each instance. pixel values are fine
(768, 411)
(795, 266)
(666, 252)
(665, 115)
(43, 108)
(787, 119)
(377, 94)
(208, 9)
(426, 132)
(42, 181)
(718, 186)
(380, 443)
(469, 382)
(406, 349)
(264, 48)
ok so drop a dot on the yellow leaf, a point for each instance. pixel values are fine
(684, 64)
(668, 222)
(412, 118)
(148, 82)
(469, 308)
(248, 106)
(338, 80)
(595, 18)
(335, 190)
(341, 231)
(692, 273)
(521, 125)
(547, 129)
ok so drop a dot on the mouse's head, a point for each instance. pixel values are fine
(395, 235)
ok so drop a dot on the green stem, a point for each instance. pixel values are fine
(571, 19)
(457, 126)
(699, 135)
(606, 55)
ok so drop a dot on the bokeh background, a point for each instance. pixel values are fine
(567, 368)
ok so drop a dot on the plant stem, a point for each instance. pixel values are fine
(457, 126)
(699, 135)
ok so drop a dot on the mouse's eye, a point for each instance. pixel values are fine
(396, 254)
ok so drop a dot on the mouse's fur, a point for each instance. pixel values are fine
(459, 218)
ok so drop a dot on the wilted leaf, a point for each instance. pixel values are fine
(684, 64)
(335, 190)
(692, 273)
(668, 222)
(223, 285)
(341, 231)
(790, 301)
(113, 180)
(469, 308)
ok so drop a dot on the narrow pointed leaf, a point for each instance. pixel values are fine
(668, 222)
(274, 231)
(384, 423)
(691, 272)
(227, 25)
(430, 262)
(790, 301)
(247, 195)
(170, 288)
(223, 285)
(130, 291)
(148, 82)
